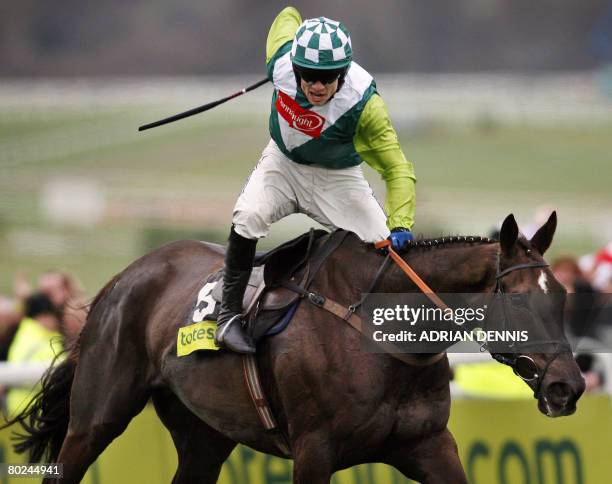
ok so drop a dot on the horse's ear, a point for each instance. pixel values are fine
(508, 234)
(543, 237)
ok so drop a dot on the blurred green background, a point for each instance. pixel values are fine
(82, 190)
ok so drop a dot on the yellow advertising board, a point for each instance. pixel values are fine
(505, 442)
(512, 443)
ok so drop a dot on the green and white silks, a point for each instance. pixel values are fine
(320, 135)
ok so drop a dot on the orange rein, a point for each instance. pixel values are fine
(414, 277)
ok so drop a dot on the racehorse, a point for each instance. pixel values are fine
(337, 405)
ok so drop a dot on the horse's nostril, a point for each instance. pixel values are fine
(560, 394)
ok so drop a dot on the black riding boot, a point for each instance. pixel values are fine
(238, 265)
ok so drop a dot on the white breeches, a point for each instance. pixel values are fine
(279, 187)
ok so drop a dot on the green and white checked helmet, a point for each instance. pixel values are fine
(321, 43)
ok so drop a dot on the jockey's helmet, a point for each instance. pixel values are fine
(322, 45)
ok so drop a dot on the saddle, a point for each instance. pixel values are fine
(269, 305)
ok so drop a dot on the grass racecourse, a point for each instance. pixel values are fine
(81, 189)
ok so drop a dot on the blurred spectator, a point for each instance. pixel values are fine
(37, 340)
(567, 272)
(9, 320)
(60, 286)
(607, 289)
(592, 369)
(582, 302)
(65, 292)
(583, 306)
(598, 267)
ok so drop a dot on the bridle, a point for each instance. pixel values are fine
(523, 365)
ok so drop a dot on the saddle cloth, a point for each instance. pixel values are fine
(268, 305)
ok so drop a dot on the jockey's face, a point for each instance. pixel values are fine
(318, 93)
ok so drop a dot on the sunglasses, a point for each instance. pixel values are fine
(312, 76)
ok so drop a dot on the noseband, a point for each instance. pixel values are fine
(524, 366)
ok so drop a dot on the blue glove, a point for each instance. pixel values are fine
(399, 237)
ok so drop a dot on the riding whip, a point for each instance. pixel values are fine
(201, 109)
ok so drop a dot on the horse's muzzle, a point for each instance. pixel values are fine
(559, 398)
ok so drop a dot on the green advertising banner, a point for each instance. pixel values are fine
(505, 442)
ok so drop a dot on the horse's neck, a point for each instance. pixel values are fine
(466, 268)
(352, 269)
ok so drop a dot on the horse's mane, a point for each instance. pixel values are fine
(446, 241)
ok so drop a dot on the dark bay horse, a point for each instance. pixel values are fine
(338, 406)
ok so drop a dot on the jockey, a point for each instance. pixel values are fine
(326, 118)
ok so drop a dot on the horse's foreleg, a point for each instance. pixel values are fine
(313, 459)
(201, 449)
(433, 460)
